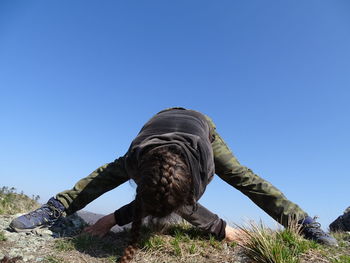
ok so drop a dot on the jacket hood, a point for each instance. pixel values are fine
(186, 130)
(188, 146)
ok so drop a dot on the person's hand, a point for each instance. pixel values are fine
(102, 226)
(235, 235)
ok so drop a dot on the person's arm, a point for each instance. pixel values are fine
(102, 226)
(261, 192)
(125, 214)
(204, 219)
(197, 215)
(103, 179)
(209, 222)
(120, 217)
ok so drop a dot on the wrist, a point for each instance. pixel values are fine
(115, 216)
(111, 220)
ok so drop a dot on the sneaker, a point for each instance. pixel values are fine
(311, 229)
(44, 216)
(342, 223)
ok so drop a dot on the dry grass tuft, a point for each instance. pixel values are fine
(270, 246)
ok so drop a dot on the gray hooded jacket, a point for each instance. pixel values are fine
(189, 131)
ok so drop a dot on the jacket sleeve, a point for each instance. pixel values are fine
(124, 215)
(197, 215)
(204, 219)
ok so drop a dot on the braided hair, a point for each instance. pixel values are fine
(163, 186)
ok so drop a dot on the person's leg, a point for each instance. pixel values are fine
(342, 223)
(263, 193)
(67, 202)
(103, 179)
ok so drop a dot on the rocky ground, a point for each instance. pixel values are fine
(41, 245)
(64, 243)
(178, 242)
(35, 245)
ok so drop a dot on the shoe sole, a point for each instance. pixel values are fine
(26, 230)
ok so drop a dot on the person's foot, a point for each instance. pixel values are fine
(342, 223)
(46, 215)
(311, 229)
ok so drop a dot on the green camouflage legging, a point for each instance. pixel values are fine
(227, 167)
(261, 192)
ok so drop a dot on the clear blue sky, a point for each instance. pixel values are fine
(79, 78)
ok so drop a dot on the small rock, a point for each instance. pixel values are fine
(15, 253)
(28, 258)
(42, 232)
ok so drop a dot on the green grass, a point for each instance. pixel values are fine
(85, 243)
(193, 249)
(2, 236)
(52, 259)
(181, 241)
(215, 243)
(187, 230)
(185, 244)
(64, 245)
(342, 259)
(13, 203)
(341, 235)
(340, 254)
(267, 246)
(153, 243)
(176, 247)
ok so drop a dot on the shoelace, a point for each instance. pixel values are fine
(48, 209)
(36, 212)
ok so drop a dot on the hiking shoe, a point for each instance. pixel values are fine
(311, 229)
(46, 215)
(342, 223)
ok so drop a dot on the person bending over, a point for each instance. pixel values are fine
(172, 160)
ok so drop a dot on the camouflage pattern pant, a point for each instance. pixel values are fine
(261, 192)
(227, 167)
(342, 223)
